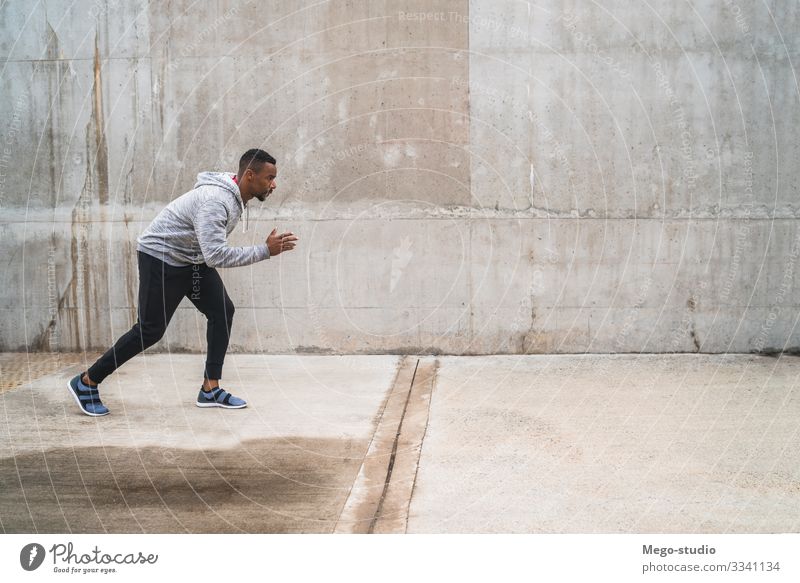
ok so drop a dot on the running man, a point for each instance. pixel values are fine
(178, 255)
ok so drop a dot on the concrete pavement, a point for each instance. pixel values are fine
(157, 463)
(612, 443)
(562, 443)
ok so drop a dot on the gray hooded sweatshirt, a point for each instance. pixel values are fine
(193, 228)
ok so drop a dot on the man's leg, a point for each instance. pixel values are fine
(161, 289)
(208, 294)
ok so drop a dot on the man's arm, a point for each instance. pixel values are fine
(210, 221)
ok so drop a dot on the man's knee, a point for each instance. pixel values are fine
(151, 333)
(227, 310)
(220, 312)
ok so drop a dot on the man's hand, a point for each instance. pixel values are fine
(279, 243)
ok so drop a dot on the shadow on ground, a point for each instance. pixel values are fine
(264, 486)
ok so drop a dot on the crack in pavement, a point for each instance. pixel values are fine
(379, 500)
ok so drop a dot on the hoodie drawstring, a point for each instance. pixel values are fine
(245, 210)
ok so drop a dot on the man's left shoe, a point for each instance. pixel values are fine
(87, 398)
(219, 398)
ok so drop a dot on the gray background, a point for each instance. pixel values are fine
(489, 177)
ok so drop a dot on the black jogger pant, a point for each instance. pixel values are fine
(161, 289)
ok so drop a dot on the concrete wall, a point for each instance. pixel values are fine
(465, 177)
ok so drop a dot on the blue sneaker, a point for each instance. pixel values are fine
(88, 398)
(219, 398)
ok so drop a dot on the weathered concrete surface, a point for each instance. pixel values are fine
(616, 443)
(379, 499)
(562, 443)
(20, 368)
(157, 463)
(465, 177)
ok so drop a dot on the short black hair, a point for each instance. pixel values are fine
(254, 159)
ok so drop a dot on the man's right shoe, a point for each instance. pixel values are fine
(219, 398)
(87, 398)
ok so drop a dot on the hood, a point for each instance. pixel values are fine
(225, 180)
